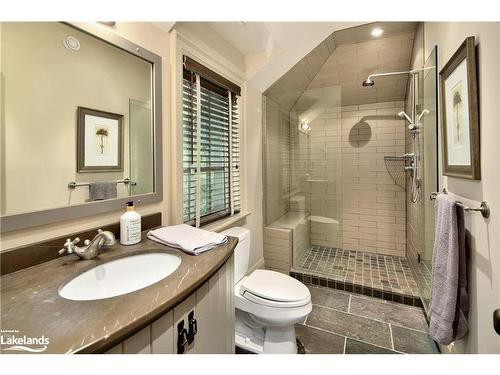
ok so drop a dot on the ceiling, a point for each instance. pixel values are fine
(165, 26)
(246, 37)
(270, 49)
(352, 54)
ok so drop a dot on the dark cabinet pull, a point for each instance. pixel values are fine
(193, 327)
(496, 320)
(182, 339)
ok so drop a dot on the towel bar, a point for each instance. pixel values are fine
(125, 181)
(484, 208)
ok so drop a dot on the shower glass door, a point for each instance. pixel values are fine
(427, 101)
(316, 177)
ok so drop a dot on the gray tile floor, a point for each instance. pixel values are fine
(381, 272)
(348, 323)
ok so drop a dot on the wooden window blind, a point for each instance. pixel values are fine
(211, 148)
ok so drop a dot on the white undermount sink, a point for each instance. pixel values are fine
(120, 276)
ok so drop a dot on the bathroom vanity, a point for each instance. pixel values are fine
(193, 306)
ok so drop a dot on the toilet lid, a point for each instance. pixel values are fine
(275, 286)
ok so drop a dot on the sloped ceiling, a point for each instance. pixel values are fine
(287, 90)
(358, 55)
(344, 60)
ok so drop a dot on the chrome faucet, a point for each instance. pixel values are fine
(91, 248)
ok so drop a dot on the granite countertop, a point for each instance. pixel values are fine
(30, 302)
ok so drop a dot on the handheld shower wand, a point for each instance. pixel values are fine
(413, 121)
(411, 125)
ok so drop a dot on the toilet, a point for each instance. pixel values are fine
(268, 303)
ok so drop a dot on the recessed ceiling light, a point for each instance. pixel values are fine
(376, 32)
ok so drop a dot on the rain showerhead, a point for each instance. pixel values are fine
(369, 82)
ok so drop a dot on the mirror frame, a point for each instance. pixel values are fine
(40, 217)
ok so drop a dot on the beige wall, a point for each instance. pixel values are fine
(157, 41)
(44, 83)
(484, 261)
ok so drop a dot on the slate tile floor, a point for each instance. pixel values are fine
(381, 272)
(348, 323)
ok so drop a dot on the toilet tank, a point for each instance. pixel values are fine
(242, 251)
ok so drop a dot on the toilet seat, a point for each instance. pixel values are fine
(271, 303)
(273, 289)
(275, 286)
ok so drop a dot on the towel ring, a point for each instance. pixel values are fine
(484, 208)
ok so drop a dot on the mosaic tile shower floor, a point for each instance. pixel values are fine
(377, 275)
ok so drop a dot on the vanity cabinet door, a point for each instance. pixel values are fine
(139, 343)
(162, 334)
(117, 349)
(181, 313)
(215, 313)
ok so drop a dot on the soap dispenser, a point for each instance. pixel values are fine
(130, 226)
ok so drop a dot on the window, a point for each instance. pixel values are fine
(211, 147)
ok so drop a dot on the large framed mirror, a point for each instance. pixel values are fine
(80, 113)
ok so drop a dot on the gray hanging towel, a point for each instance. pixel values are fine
(449, 299)
(460, 325)
(102, 190)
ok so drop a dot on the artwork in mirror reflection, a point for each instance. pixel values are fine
(100, 141)
(71, 112)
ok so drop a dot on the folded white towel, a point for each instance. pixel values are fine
(185, 237)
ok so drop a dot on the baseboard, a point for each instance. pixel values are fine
(258, 265)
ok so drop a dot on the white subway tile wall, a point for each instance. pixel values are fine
(374, 208)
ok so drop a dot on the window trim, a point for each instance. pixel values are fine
(183, 45)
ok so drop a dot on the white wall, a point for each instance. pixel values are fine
(484, 262)
(157, 41)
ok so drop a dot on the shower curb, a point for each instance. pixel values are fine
(387, 295)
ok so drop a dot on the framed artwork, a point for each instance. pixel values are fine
(99, 141)
(460, 113)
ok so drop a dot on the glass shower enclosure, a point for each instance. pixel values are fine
(340, 204)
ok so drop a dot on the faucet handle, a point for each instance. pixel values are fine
(109, 237)
(69, 246)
